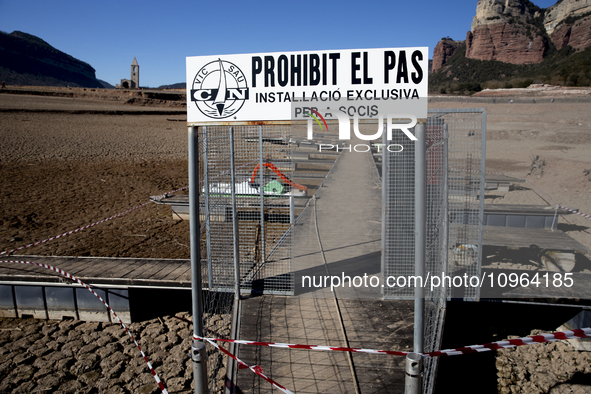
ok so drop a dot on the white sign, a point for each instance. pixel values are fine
(266, 86)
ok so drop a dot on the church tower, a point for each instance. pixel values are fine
(135, 74)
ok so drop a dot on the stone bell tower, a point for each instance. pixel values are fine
(135, 74)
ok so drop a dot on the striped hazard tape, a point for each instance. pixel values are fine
(89, 225)
(553, 337)
(576, 212)
(530, 340)
(75, 279)
(242, 365)
(154, 199)
(73, 231)
(305, 347)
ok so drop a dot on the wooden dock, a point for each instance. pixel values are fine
(500, 182)
(574, 286)
(512, 215)
(27, 290)
(101, 271)
(513, 237)
(308, 168)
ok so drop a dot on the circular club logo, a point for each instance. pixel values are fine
(219, 89)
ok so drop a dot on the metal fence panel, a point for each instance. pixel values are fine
(261, 154)
(465, 173)
(455, 156)
(398, 225)
(262, 222)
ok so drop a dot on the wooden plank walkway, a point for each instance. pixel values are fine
(130, 272)
(348, 218)
(308, 169)
(524, 209)
(370, 324)
(514, 237)
(577, 286)
(518, 209)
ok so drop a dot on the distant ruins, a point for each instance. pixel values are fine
(134, 81)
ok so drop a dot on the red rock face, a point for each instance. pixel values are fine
(443, 51)
(561, 36)
(577, 35)
(504, 42)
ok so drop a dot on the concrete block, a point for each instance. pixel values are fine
(534, 221)
(516, 221)
(495, 220)
(549, 220)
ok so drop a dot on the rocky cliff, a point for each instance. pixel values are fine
(519, 32)
(577, 33)
(28, 60)
(563, 10)
(504, 30)
(505, 42)
(443, 51)
(502, 11)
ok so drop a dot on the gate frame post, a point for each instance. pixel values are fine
(420, 244)
(198, 353)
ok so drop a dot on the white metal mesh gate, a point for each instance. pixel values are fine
(455, 158)
(261, 229)
(262, 154)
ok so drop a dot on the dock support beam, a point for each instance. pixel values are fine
(198, 353)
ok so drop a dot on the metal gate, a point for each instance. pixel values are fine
(244, 223)
(455, 159)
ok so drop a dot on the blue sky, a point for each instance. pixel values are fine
(108, 34)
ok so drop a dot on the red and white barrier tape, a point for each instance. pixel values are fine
(306, 347)
(557, 336)
(576, 212)
(154, 199)
(72, 277)
(552, 337)
(531, 340)
(242, 365)
(172, 191)
(74, 231)
(87, 226)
